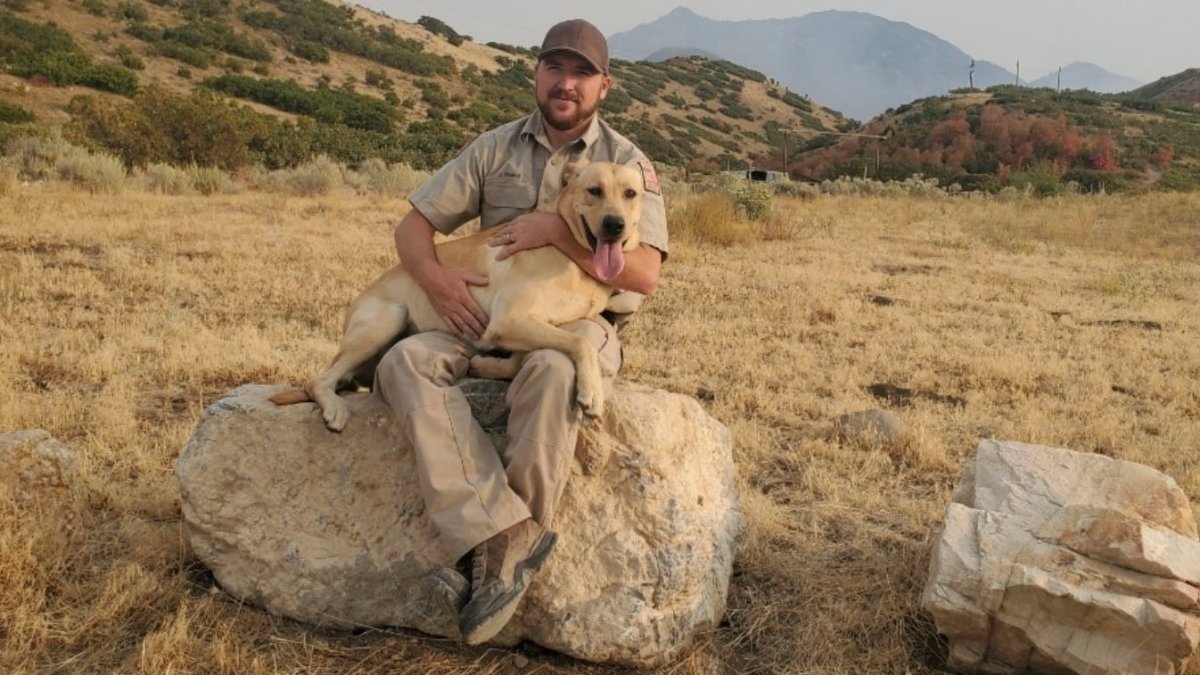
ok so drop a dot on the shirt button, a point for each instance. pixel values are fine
(556, 161)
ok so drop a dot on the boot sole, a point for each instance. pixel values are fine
(487, 626)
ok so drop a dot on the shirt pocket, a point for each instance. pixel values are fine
(504, 200)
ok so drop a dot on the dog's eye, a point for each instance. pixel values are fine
(595, 191)
(630, 193)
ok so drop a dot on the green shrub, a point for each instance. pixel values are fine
(752, 198)
(129, 59)
(331, 106)
(14, 114)
(310, 51)
(131, 11)
(197, 58)
(163, 127)
(95, 7)
(1040, 178)
(439, 27)
(1181, 179)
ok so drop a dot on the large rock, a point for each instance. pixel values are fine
(1057, 561)
(330, 528)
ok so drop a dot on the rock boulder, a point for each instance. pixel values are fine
(1057, 561)
(330, 528)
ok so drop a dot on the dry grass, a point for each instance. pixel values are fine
(124, 316)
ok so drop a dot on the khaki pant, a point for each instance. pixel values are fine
(471, 491)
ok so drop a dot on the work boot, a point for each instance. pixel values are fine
(501, 570)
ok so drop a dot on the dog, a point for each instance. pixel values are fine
(528, 294)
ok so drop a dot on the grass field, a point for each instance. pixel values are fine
(1069, 322)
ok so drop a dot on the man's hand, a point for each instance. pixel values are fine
(448, 292)
(530, 230)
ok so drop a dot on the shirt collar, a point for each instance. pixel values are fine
(533, 129)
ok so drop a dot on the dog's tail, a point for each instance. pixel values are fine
(290, 396)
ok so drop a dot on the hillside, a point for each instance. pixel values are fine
(313, 77)
(1021, 136)
(855, 62)
(1180, 89)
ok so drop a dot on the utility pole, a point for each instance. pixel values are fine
(785, 134)
(1058, 88)
(971, 75)
(1017, 82)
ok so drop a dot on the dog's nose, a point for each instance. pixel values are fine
(613, 226)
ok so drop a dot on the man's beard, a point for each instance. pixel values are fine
(568, 121)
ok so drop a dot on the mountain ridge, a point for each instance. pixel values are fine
(828, 51)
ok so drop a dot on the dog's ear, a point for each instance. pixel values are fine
(571, 170)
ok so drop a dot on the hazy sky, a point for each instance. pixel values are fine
(1144, 39)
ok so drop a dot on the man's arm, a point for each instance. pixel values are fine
(541, 228)
(446, 287)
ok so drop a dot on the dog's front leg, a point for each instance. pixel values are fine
(524, 334)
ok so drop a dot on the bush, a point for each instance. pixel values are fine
(99, 172)
(709, 218)
(1039, 178)
(311, 52)
(15, 114)
(37, 156)
(129, 59)
(163, 127)
(131, 11)
(168, 180)
(318, 177)
(378, 177)
(210, 180)
(753, 199)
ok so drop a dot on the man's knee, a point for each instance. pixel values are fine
(549, 367)
(425, 355)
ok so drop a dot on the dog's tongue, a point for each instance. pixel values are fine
(609, 260)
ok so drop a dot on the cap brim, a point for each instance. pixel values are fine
(576, 52)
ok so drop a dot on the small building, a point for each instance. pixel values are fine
(760, 175)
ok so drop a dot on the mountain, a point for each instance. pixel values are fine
(854, 62)
(1180, 89)
(234, 82)
(1087, 76)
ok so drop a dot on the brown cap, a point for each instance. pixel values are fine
(577, 37)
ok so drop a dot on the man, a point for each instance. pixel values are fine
(499, 507)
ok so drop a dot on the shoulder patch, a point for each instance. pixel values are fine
(649, 177)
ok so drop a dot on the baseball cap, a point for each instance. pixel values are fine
(577, 37)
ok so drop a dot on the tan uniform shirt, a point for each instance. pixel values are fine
(512, 170)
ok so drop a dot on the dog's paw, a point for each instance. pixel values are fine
(336, 414)
(590, 399)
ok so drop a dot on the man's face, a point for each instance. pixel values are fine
(568, 90)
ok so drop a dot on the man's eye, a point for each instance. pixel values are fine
(595, 191)
(630, 193)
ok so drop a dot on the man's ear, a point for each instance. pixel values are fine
(571, 170)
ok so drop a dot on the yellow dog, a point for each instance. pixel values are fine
(527, 297)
